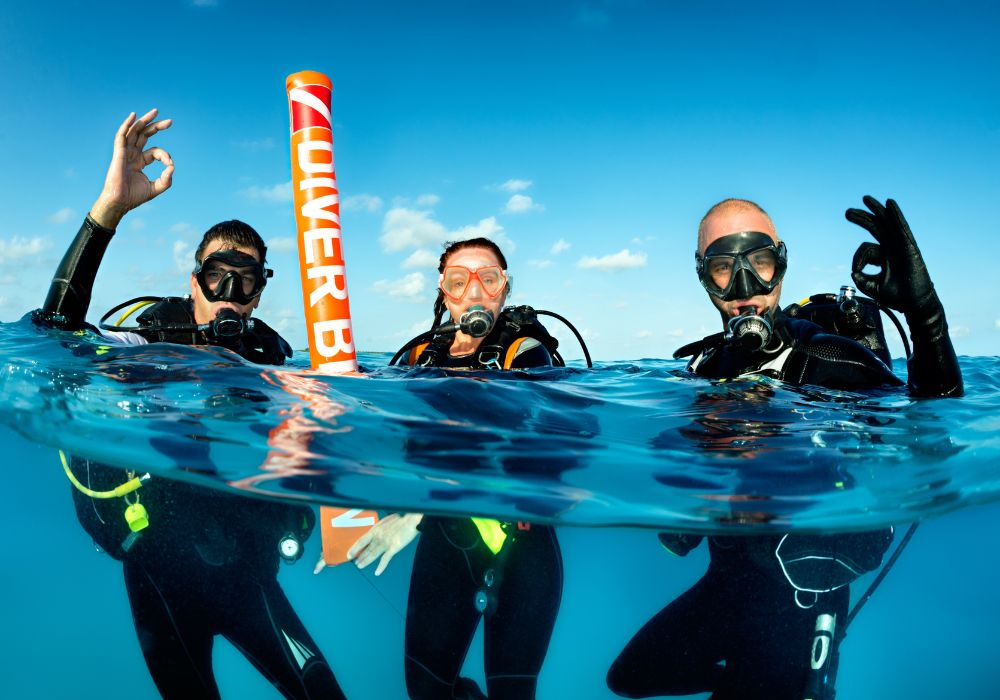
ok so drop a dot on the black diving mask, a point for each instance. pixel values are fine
(231, 275)
(742, 265)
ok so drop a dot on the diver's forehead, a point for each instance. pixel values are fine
(728, 223)
(473, 258)
(220, 246)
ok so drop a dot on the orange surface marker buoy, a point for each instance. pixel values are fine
(323, 268)
(317, 216)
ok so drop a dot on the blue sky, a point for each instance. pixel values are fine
(588, 138)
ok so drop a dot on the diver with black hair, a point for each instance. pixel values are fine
(507, 574)
(198, 562)
(765, 621)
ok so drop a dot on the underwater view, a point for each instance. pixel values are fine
(610, 456)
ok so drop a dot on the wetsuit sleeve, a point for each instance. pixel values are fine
(835, 362)
(69, 294)
(933, 367)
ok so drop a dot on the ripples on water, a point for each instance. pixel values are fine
(634, 443)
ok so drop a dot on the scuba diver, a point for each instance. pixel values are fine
(197, 562)
(766, 619)
(508, 574)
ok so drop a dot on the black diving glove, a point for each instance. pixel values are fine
(904, 284)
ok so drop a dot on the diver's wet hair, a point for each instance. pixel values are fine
(234, 233)
(453, 247)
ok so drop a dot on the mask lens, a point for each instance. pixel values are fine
(455, 281)
(763, 263)
(720, 270)
(492, 279)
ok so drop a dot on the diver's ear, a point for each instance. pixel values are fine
(194, 285)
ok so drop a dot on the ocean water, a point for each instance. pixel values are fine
(608, 455)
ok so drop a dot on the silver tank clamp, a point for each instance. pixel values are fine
(849, 307)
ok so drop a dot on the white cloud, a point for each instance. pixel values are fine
(521, 204)
(486, 228)
(362, 202)
(959, 331)
(18, 247)
(409, 288)
(676, 333)
(643, 334)
(275, 194)
(427, 200)
(8, 279)
(540, 264)
(422, 258)
(4, 302)
(516, 185)
(61, 216)
(183, 256)
(254, 145)
(615, 262)
(404, 228)
(997, 324)
(284, 320)
(410, 228)
(70, 173)
(136, 224)
(282, 244)
(559, 246)
(182, 228)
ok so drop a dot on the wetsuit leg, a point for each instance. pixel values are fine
(441, 617)
(679, 651)
(737, 632)
(768, 647)
(261, 623)
(175, 635)
(517, 634)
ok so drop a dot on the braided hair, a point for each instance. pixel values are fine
(453, 247)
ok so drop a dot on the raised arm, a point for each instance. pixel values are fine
(125, 188)
(904, 284)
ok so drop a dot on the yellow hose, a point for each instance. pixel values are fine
(131, 310)
(128, 487)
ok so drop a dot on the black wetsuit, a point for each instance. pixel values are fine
(207, 564)
(739, 633)
(452, 564)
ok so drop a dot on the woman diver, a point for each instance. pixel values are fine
(465, 569)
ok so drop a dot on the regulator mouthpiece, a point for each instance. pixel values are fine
(477, 321)
(227, 324)
(749, 331)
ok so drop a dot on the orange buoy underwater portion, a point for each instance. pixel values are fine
(323, 268)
